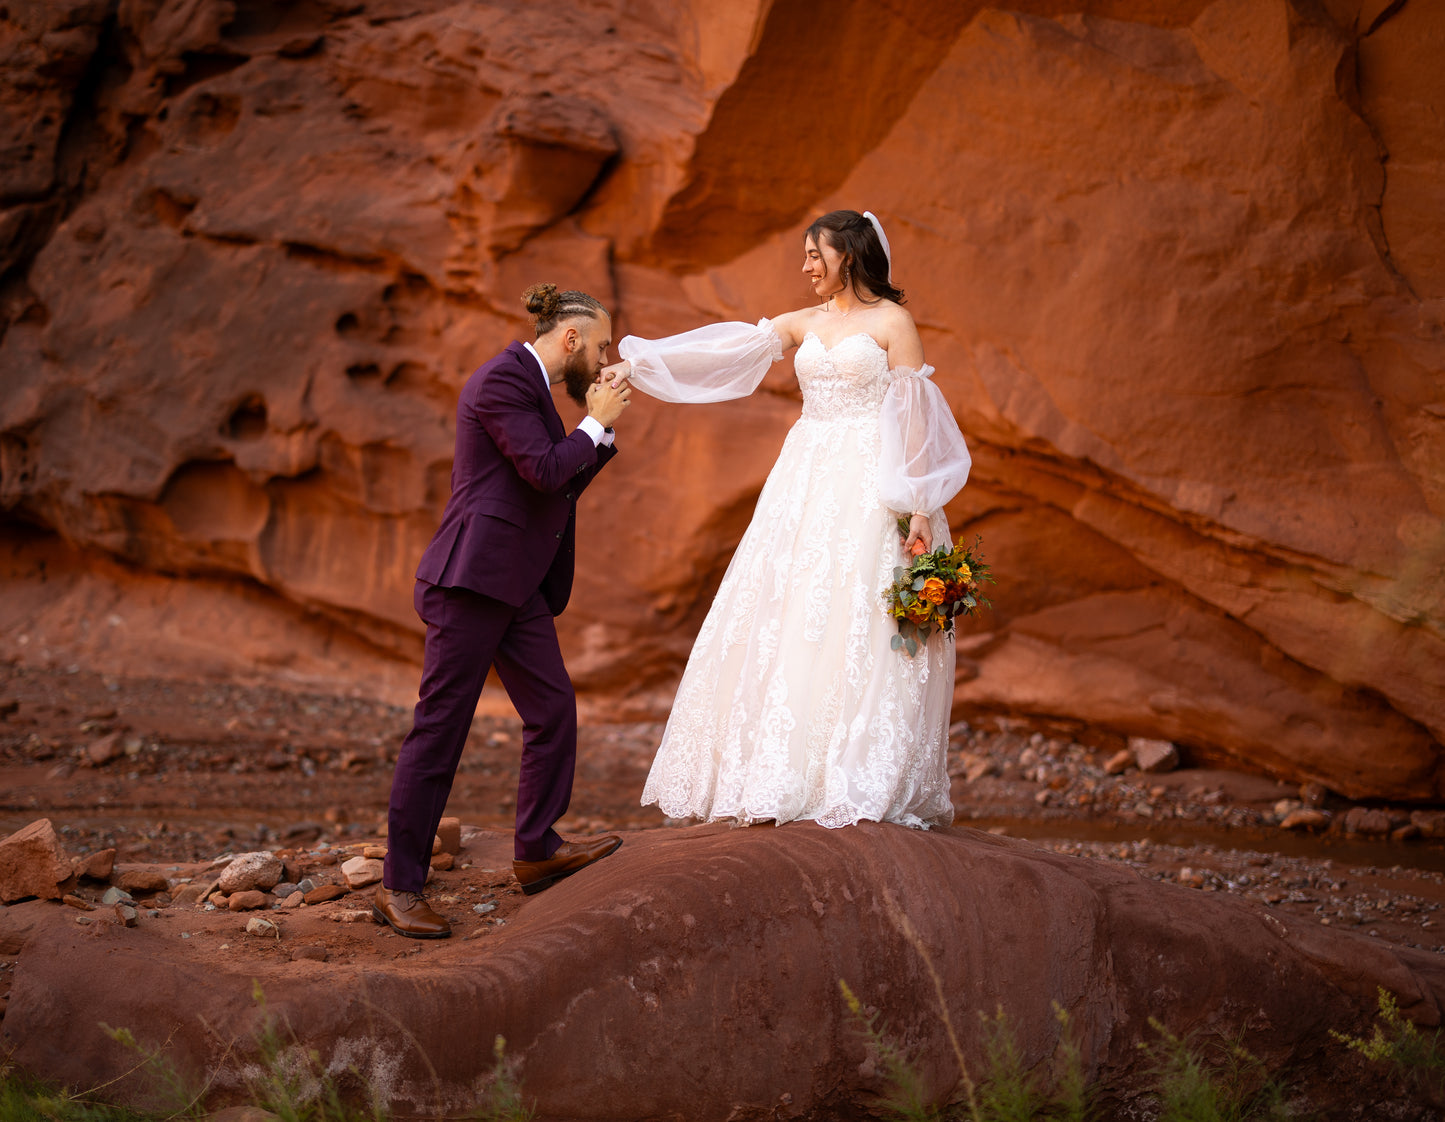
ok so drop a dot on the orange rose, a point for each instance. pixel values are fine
(933, 591)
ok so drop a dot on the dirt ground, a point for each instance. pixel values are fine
(177, 774)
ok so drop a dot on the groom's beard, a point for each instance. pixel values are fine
(577, 375)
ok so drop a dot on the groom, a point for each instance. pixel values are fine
(496, 572)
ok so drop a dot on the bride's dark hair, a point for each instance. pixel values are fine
(853, 236)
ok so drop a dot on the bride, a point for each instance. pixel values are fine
(793, 704)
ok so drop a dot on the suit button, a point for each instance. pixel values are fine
(571, 495)
(559, 535)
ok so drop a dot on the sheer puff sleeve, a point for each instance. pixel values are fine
(924, 460)
(718, 362)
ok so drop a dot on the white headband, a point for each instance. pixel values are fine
(882, 237)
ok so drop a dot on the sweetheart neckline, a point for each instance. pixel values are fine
(856, 335)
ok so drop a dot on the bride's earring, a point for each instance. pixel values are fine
(845, 276)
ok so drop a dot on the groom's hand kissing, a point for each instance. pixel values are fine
(605, 402)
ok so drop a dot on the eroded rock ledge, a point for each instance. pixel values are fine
(695, 975)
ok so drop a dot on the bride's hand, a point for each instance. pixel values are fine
(617, 372)
(920, 536)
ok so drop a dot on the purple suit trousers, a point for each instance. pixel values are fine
(466, 634)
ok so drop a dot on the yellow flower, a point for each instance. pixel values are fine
(965, 574)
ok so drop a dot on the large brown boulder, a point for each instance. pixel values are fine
(1191, 326)
(696, 975)
(33, 863)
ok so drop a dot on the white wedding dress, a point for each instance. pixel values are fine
(793, 704)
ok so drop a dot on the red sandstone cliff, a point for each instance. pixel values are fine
(1179, 265)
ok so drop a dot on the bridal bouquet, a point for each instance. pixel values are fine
(934, 590)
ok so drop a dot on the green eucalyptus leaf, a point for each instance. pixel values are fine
(912, 645)
(895, 642)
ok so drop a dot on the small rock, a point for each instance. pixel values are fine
(249, 871)
(313, 952)
(285, 889)
(295, 900)
(104, 750)
(126, 914)
(305, 885)
(76, 902)
(1305, 818)
(1042, 797)
(243, 1114)
(1368, 822)
(1028, 758)
(377, 852)
(1313, 794)
(361, 871)
(191, 893)
(262, 927)
(324, 893)
(441, 862)
(1285, 807)
(1431, 823)
(247, 900)
(449, 831)
(1120, 762)
(351, 916)
(1405, 833)
(303, 833)
(1154, 756)
(142, 880)
(115, 895)
(484, 909)
(32, 863)
(97, 866)
(1190, 878)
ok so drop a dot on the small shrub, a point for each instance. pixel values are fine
(1417, 1058)
(1008, 1092)
(503, 1100)
(292, 1083)
(23, 1099)
(904, 1101)
(1236, 1088)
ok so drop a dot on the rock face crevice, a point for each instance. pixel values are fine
(249, 254)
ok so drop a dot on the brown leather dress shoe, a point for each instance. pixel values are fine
(534, 876)
(408, 914)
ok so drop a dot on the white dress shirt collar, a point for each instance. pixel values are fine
(546, 378)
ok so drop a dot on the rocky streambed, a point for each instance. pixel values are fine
(708, 954)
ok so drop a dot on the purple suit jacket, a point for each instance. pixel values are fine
(509, 527)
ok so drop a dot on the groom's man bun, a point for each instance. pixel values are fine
(549, 307)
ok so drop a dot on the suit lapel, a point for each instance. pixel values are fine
(544, 394)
